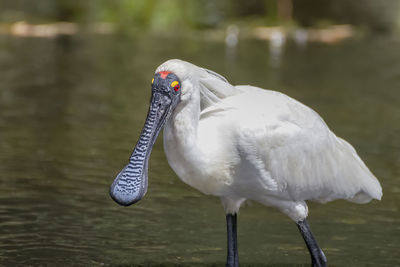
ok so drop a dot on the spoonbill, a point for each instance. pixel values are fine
(244, 142)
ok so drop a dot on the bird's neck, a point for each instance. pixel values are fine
(180, 132)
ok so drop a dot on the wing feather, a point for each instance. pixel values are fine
(293, 151)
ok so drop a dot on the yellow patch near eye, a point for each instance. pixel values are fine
(152, 81)
(174, 83)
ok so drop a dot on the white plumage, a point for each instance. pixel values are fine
(244, 142)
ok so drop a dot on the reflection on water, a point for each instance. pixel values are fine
(72, 108)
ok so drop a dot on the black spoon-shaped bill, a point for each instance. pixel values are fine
(130, 185)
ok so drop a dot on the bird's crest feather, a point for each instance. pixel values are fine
(212, 86)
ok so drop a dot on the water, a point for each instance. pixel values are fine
(72, 109)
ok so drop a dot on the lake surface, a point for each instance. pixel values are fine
(72, 109)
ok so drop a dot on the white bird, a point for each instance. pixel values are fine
(244, 142)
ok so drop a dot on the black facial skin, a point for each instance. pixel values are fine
(130, 185)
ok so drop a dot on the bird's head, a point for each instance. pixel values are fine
(175, 83)
(130, 185)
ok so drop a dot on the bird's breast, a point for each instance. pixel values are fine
(195, 164)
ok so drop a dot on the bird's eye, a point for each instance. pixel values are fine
(175, 85)
(152, 81)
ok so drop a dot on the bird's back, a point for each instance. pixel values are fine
(281, 147)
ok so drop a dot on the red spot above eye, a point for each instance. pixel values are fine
(164, 74)
(176, 87)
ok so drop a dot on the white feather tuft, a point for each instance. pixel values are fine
(212, 86)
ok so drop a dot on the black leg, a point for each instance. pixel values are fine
(317, 256)
(232, 259)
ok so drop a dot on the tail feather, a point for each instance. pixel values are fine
(370, 187)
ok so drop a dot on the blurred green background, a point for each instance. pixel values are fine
(74, 90)
(184, 15)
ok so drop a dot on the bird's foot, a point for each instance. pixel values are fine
(232, 262)
(319, 260)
